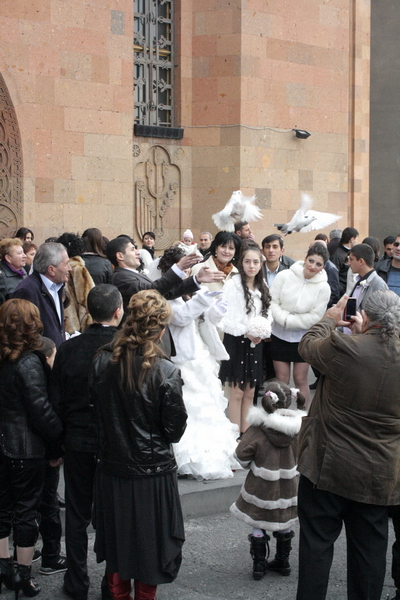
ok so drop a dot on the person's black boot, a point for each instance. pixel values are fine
(7, 573)
(258, 551)
(24, 581)
(280, 564)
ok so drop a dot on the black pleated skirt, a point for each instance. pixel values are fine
(139, 526)
(245, 365)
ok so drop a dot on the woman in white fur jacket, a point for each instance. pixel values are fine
(299, 299)
(247, 298)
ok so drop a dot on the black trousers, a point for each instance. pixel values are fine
(50, 523)
(21, 486)
(79, 471)
(321, 516)
(394, 512)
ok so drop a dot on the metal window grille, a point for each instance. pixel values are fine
(154, 62)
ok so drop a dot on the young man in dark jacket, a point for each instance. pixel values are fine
(340, 256)
(71, 398)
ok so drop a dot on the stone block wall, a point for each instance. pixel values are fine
(261, 69)
(247, 73)
(68, 68)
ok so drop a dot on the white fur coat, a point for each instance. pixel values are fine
(299, 303)
(236, 320)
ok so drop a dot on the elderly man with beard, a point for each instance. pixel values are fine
(349, 447)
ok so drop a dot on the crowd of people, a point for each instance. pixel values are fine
(132, 369)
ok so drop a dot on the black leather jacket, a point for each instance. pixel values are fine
(28, 422)
(99, 268)
(136, 429)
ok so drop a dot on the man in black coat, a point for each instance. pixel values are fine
(71, 398)
(123, 254)
(44, 288)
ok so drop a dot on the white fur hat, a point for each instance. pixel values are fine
(188, 234)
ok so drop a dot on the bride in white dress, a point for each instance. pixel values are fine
(207, 446)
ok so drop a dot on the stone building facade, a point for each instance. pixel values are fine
(246, 73)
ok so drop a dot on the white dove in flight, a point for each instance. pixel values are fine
(238, 208)
(305, 220)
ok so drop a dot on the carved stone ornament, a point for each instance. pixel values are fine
(158, 197)
(135, 150)
(10, 166)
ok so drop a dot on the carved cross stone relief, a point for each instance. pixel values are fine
(158, 196)
(10, 166)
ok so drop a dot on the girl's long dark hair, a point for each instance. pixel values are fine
(258, 279)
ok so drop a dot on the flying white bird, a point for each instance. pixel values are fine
(305, 220)
(238, 208)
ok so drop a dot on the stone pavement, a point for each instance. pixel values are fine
(217, 566)
(216, 561)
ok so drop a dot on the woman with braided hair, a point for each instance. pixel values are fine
(137, 394)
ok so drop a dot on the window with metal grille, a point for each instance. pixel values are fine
(154, 63)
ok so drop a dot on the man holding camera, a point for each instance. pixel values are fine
(349, 446)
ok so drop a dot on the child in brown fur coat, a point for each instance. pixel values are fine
(268, 498)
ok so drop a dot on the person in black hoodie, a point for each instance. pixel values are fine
(71, 398)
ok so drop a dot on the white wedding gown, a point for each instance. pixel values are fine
(207, 446)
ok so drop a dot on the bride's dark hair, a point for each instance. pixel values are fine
(148, 315)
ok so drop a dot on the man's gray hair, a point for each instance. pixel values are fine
(46, 255)
(383, 310)
(335, 233)
(206, 233)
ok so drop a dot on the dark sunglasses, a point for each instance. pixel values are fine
(396, 244)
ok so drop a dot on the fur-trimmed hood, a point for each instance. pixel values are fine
(283, 420)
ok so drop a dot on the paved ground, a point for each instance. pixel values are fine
(217, 566)
(216, 561)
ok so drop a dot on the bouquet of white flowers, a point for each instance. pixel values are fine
(259, 327)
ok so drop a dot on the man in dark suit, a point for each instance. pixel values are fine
(71, 398)
(125, 257)
(123, 254)
(44, 289)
